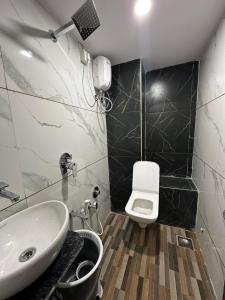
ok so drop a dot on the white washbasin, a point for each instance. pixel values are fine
(42, 227)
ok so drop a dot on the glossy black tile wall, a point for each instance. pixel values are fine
(170, 117)
(124, 130)
(126, 86)
(172, 164)
(177, 208)
(153, 118)
(124, 133)
(120, 174)
(143, 121)
(172, 88)
(178, 200)
(177, 183)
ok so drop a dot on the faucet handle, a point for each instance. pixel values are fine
(3, 185)
(66, 164)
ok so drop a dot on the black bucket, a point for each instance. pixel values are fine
(83, 265)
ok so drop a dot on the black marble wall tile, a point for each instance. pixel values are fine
(124, 130)
(177, 207)
(171, 164)
(125, 88)
(143, 80)
(157, 124)
(124, 133)
(177, 183)
(120, 175)
(193, 107)
(170, 117)
(167, 132)
(189, 165)
(194, 90)
(170, 89)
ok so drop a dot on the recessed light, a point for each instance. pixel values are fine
(142, 7)
(26, 53)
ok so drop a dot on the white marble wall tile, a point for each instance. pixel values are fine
(220, 59)
(84, 79)
(35, 131)
(6, 122)
(212, 260)
(210, 134)
(2, 73)
(209, 161)
(13, 209)
(10, 171)
(51, 72)
(212, 68)
(207, 75)
(45, 130)
(74, 191)
(211, 202)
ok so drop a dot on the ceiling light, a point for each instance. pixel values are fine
(142, 7)
(26, 53)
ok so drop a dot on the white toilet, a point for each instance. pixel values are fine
(143, 205)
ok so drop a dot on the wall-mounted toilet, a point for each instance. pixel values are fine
(143, 205)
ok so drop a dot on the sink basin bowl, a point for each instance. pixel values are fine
(29, 242)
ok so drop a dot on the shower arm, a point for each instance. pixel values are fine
(61, 31)
(85, 19)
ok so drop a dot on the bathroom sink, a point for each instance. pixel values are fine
(29, 242)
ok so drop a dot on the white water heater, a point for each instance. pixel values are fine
(102, 73)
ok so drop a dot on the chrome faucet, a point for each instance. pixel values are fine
(7, 194)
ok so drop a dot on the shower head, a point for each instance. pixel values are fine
(85, 19)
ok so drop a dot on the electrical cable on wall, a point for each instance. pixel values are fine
(90, 105)
(105, 102)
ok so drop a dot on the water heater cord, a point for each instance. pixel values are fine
(95, 100)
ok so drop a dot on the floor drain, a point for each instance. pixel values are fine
(27, 254)
(184, 242)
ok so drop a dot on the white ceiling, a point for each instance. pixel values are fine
(174, 32)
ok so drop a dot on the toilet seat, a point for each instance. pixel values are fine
(143, 215)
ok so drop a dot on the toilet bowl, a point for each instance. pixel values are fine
(143, 204)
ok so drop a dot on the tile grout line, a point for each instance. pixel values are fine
(51, 185)
(51, 101)
(210, 101)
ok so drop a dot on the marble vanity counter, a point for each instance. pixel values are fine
(44, 286)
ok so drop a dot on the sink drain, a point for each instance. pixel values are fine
(27, 254)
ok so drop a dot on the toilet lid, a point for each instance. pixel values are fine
(146, 177)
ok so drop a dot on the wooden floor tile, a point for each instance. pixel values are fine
(147, 264)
